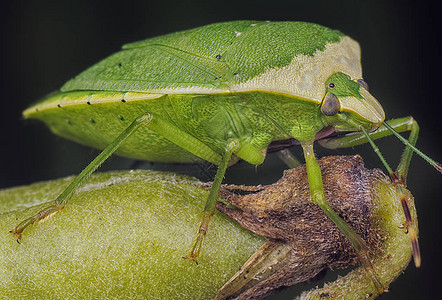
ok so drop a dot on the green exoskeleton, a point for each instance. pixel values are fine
(221, 93)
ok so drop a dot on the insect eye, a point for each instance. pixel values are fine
(364, 84)
(330, 105)
(331, 85)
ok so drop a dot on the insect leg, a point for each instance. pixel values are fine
(391, 127)
(399, 183)
(184, 140)
(64, 197)
(209, 208)
(288, 158)
(317, 194)
(358, 138)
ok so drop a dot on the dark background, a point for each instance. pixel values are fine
(44, 43)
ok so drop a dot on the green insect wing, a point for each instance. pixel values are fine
(288, 57)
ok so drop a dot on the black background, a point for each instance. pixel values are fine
(44, 43)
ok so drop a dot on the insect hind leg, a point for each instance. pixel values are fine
(64, 197)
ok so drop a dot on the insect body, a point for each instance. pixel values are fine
(220, 93)
(230, 87)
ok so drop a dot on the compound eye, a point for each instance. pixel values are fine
(330, 105)
(364, 84)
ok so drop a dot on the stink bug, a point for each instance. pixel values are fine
(221, 93)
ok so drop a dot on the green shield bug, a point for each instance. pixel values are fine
(221, 93)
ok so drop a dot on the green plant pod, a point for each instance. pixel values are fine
(124, 234)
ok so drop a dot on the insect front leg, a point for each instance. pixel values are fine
(399, 177)
(64, 197)
(317, 193)
(288, 158)
(391, 127)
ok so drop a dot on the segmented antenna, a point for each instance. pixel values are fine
(432, 162)
(408, 219)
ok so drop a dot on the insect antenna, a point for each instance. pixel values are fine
(403, 198)
(432, 162)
